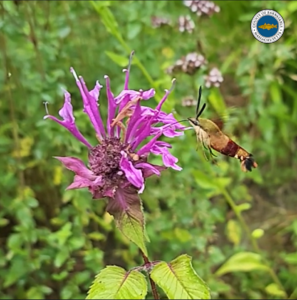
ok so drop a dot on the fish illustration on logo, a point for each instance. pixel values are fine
(267, 26)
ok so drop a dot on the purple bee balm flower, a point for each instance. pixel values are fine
(119, 163)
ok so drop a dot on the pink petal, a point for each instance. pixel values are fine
(145, 95)
(111, 107)
(133, 175)
(150, 169)
(77, 166)
(66, 112)
(168, 159)
(90, 101)
(79, 182)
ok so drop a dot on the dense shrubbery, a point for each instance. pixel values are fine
(238, 227)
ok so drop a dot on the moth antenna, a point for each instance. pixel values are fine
(168, 125)
(198, 113)
(198, 100)
(185, 120)
(201, 110)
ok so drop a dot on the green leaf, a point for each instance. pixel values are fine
(18, 269)
(205, 181)
(229, 61)
(107, 17)
(292, 7)
(133, 30)
(290, 258)
(63, 234)
(3, 222)
(115, 283)
(133, 229)
(122, 61)
(275, 92)
(242, 207)
(126, 207)
(14, 241)
(182, 235)
(217, 102)
(242, 262)
(38, 292)
(179, 280)
(233, 232)
(60, 276)
(61, 257)
(274, 290)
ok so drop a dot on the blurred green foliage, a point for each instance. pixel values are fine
(53, 242)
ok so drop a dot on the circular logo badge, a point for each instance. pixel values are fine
(267, 26)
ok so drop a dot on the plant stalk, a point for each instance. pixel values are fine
(252, 239)
(152, 283)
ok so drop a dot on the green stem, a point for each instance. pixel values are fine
(111, 26)
(252, 239)
(138, 63)
(240, 219)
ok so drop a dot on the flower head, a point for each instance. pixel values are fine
(202, 7)
(214, 78)
(188, 64)
(185, 23)
(119, 162)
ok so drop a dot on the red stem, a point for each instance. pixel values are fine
(153, 285)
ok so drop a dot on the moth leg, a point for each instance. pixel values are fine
(205, 150)
(201, 141)
(205, 147)
(204, 154)
(212, 154)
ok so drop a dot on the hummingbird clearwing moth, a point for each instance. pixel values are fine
(212, 138)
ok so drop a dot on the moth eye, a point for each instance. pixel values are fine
(193, 121)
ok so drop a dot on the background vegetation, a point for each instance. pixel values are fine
(53, 242)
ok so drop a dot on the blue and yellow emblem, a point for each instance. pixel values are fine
(267, 26)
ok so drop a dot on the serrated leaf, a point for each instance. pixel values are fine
(120, 60)
(179, 280)
(126, 207)
(115, 283)
(242, 262)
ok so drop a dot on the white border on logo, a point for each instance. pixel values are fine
(280, 31)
